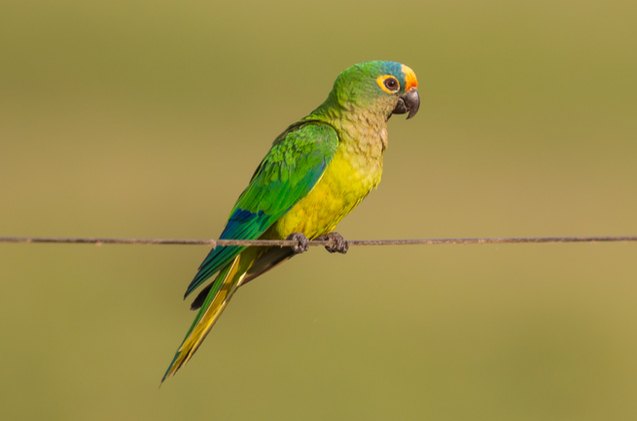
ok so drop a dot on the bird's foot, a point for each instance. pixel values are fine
(302, 243)
(337, 244)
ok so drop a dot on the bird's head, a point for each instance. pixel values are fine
(387, 87)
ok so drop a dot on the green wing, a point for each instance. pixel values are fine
(288, 172)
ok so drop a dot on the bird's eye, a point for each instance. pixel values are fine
(389, 84)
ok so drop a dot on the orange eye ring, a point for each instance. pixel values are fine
(388, 83)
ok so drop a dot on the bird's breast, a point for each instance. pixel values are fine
(351, 174)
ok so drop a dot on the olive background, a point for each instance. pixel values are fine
(147, 118)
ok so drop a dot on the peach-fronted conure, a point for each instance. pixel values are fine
(315, 173)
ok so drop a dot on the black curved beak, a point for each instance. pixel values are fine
(409, 103)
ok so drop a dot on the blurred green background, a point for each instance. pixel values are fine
(147, 118)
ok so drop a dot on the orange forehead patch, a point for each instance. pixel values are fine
(410, 78)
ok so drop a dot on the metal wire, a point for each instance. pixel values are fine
(292, 243)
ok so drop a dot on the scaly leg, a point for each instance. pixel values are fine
(338, 244)
(301, 239)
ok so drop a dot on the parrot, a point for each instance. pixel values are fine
(315, 173)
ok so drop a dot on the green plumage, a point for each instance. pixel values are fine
(288, 172)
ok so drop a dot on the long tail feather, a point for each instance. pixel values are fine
(224, 285)
(266, 260)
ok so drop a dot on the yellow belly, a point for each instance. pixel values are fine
(347, 180)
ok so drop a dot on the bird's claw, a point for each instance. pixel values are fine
(337, 244)
(302, 243)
